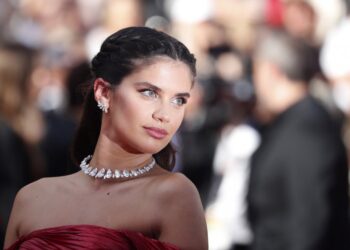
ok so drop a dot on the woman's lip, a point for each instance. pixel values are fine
(156, 133)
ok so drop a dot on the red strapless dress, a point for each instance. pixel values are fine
(87, 237)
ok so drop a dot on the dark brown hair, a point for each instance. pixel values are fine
(120, 55)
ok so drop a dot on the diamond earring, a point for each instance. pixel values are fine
(102, 106)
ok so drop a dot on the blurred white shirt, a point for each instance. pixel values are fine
(226, 215)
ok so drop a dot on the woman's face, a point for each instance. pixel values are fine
(148, 106)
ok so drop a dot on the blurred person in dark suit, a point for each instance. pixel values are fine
(298, 189)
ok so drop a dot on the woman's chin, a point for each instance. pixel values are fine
(153, 148)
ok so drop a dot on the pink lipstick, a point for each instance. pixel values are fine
(156, 133)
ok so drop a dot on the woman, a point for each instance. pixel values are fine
(124, 197)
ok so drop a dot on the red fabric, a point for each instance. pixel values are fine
(77, 237)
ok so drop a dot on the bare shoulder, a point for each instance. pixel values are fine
(174, 186)
(28, 202)
(180, 212)
(36, 195)
(37, 189)
(31, 191)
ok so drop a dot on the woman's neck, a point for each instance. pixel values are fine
(109, 154)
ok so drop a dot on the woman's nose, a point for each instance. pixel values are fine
(161, 115)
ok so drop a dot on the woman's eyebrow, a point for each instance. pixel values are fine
(185, 94)
(148, 84)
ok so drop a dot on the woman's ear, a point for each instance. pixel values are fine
(101, 90)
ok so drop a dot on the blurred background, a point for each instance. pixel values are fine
(45, 50)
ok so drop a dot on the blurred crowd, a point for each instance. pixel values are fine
(46, 46)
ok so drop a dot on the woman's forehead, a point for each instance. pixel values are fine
(165, 74)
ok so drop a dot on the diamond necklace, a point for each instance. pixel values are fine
(117, 174)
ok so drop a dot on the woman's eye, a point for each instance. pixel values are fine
(180, 101)
(148, 93)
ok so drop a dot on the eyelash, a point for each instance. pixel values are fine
(183, 101)
(144, 91)
(154, 94)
